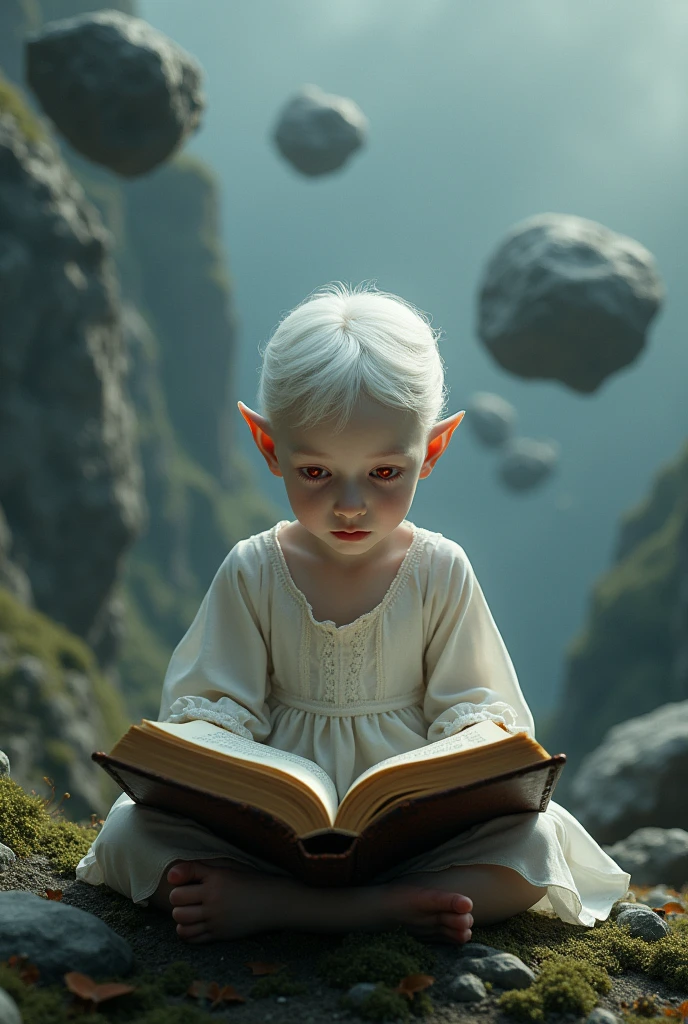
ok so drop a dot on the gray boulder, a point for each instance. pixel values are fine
(565, 298)
(653, 854)
(491, 418)
(527, 463)
(318, 132)
(58, 938)
(70, 479)
(635, 778)
(4, 765)
(123, 94)
(502, 969)
(467, 988)
(9, 1011)
(7, 857)
(643, 923)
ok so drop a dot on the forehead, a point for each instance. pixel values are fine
(373, 429)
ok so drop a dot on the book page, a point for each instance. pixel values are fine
(476, 735)
(213, 737)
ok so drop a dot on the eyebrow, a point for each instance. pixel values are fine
(321, 455)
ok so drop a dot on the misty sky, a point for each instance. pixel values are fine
(481, 114)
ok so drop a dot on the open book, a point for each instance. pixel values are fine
(284, 808)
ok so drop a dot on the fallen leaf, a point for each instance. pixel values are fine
(414, 983)
(53, 894)
(678, 1011)
(28, 973)
(260, 967)
(211, 990)
(86, 988)
(674, 908)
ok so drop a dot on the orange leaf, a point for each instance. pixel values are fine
(260, 967)
(28, 973)
(228, 995)
(674, 908)
(86, 988)
(414, 983)
(53, 894)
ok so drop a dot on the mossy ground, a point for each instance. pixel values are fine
(575, 967)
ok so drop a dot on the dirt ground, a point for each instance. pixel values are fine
(155, 943)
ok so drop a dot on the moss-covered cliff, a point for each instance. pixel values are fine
(624, 663)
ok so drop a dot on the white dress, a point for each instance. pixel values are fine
(427, 661)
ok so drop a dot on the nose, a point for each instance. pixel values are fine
(349, 503)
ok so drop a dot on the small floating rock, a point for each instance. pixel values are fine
(491, 418)
(467, 988)
(643, 923)
(317, 132)
(526, 463)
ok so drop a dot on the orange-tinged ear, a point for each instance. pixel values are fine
(260, 428)
(440, 436)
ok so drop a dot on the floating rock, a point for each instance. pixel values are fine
(123, 94)
(526, 463)
(649, 854)
(467, 988)
(491, 418)
(4, 764)
(360, 992)
(601, 1016)
(7, 857)
(59, 938)
(565, 298)
(643, 923)
(635, 778)
(502, 969)
(9, 1011)
(317, 132)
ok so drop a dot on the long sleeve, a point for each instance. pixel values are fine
(219, 670)
(469, 674)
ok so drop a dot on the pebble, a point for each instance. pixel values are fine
(502, 969)
(476, 949)
(601, 1016)
(643, 923)
(357, 993)
(281, 999)
(467, 988)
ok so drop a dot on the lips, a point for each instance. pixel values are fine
(350, 534)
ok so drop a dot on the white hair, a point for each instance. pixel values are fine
(341, 342)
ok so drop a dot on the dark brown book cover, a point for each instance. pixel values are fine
(331, 858)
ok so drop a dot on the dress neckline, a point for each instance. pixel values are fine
(287, 581)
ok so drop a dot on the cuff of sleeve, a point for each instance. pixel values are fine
(185, 709)
(457, 718)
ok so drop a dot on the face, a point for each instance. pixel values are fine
(358, 483)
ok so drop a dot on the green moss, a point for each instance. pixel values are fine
(564, 985)
(387, 957)
(27, 826)
(279, 984)
(12, 102)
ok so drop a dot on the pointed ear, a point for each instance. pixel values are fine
(439, 439)
(261, 433)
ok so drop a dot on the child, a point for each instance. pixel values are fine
(346, 636)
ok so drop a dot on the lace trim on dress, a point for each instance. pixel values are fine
(191, 712)
(410, 560)
(474, 713)
(329, 669)
(358, 640)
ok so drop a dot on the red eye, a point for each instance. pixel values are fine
(387, 473)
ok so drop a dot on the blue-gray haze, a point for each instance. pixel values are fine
(481, 114)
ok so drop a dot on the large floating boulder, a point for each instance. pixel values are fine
(491, 418)
(527, 463)
(565, 298)
(636, 778)
(318, 132)
(123, 94)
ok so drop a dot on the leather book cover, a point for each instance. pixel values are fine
(417, 825)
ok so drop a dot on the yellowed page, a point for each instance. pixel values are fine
(218, 740)
(388, 781)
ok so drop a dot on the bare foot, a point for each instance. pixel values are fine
(211, 903)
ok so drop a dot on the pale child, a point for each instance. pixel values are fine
(348, 635)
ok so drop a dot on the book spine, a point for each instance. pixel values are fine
(552, 775)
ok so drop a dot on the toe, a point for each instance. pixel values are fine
(192, 931)
(189, 915)
(185, 895)
(186, 871)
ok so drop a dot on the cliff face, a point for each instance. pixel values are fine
(174, 308)
(632, 655)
